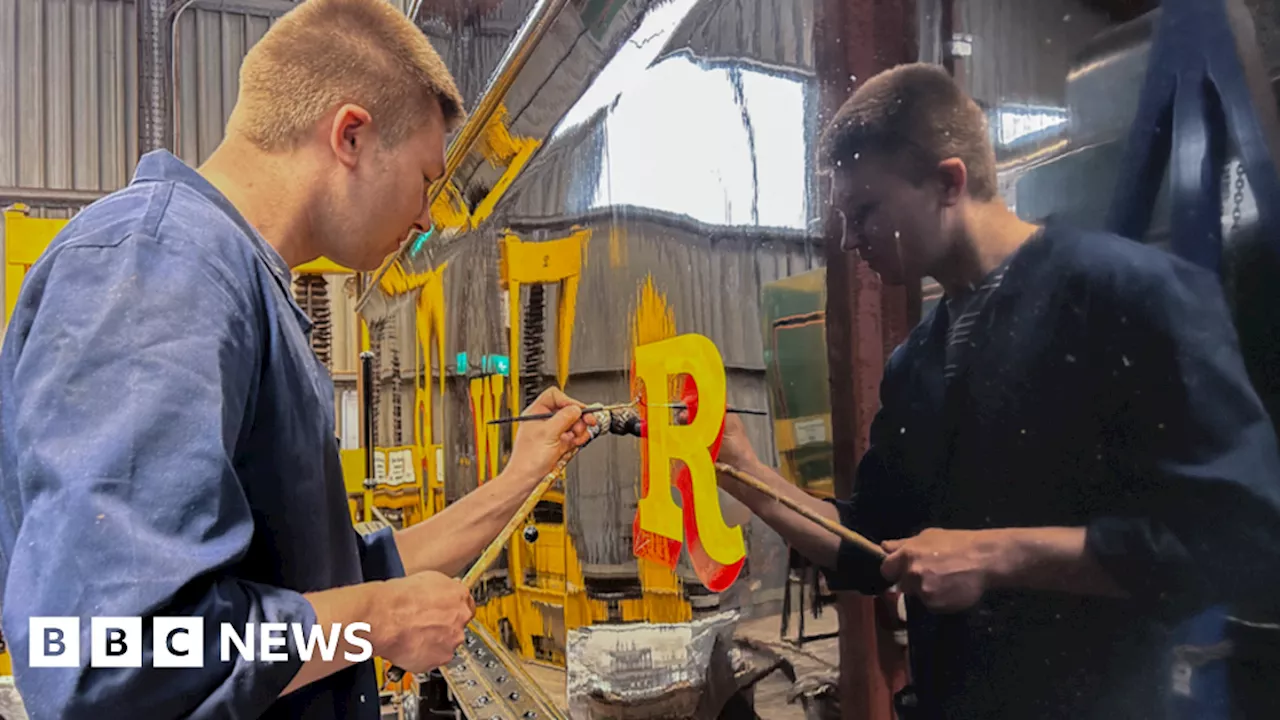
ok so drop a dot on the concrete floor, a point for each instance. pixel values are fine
(815, 658)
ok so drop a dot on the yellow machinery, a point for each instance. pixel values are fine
(25, 239)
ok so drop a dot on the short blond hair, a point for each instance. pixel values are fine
(323, 53)
(917, 114)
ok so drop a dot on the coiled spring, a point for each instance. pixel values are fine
(534, 338)
(312, 294)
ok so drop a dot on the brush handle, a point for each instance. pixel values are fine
(843, 532)
(606, 421)
(490, 554)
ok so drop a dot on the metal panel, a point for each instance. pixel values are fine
(770, 32)
(68, 105)
(210, 47)
(68, 108)
(473, 49)
(1022, 50)
(1116, 58)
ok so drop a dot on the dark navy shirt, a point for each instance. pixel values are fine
(167, 448)
(1104, 390)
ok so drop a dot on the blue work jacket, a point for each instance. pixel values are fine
(167, 448)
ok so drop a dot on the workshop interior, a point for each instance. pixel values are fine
(636, 183)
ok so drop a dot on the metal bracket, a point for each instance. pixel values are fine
(489, 682)
(1206, 83)
(960, 46)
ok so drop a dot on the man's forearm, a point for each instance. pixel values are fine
(449, 540)
(810, 539)
(1051, 559)
(338, 607)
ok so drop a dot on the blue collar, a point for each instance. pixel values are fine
(163, 166)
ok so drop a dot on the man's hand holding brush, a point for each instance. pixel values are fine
(418, 620)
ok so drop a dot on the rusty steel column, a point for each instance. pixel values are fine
(854, 40)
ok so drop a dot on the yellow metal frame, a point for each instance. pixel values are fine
(486, 397)
(554, 595)
(431, 328)
(406, 497)
(322, 266)
(501, 148)
(559, 589)
(540, 263)
(25, 240)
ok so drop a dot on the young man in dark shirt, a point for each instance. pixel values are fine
(1069, 458)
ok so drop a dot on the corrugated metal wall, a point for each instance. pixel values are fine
(776, 33)
(69, 110)
(210, 46)
(474, 50)
(68, 97)
(68, 104)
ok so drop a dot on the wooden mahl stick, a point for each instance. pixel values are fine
(605, 422)
(612, 419)
(835, 527)
(490, 554)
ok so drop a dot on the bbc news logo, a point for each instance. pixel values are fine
(178, 642)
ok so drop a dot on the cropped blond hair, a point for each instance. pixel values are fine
(324, 53)
(919, 115)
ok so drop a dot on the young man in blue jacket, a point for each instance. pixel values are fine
(167, 434)
(1069, 457)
